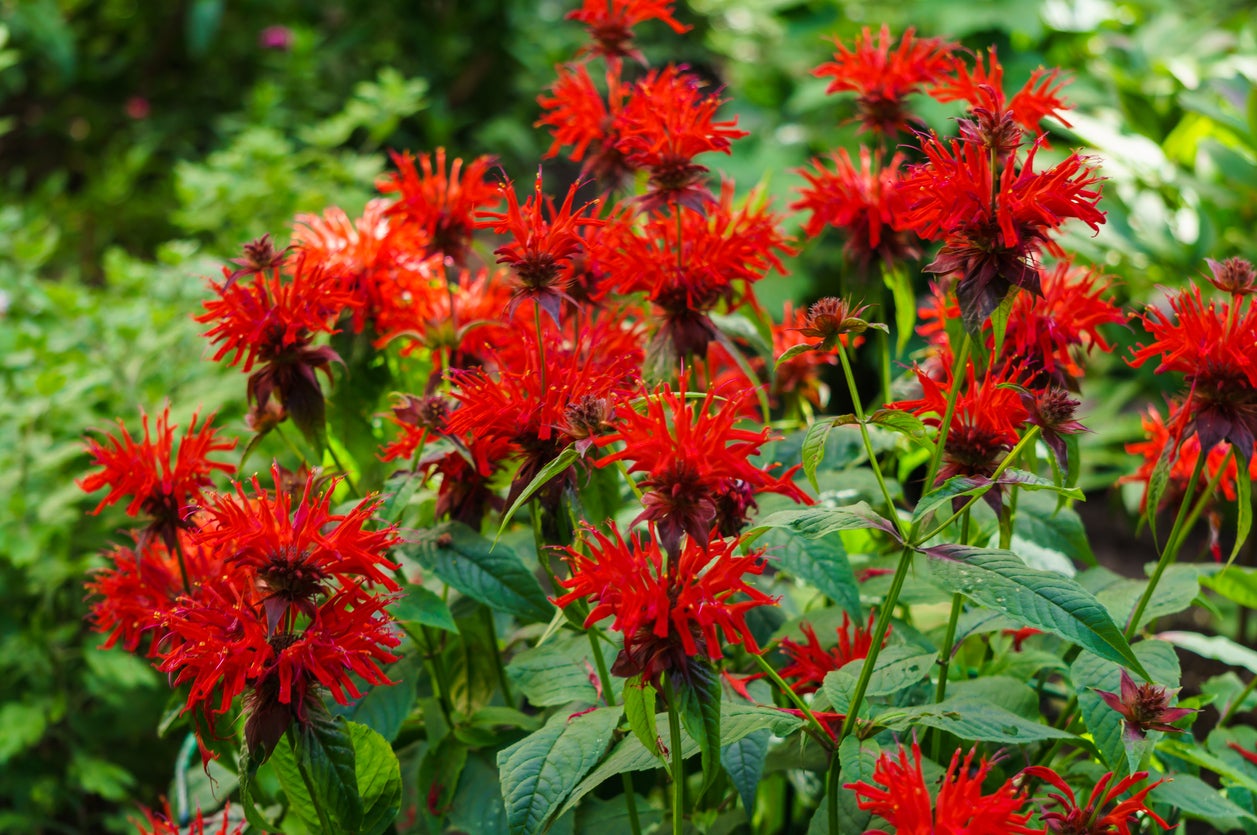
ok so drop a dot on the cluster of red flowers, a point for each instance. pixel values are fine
(898, 793)
(262, 592)
(810, 662)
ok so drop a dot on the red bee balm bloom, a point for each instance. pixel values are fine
(1145, 707)
(1213, 346)
(665, 123)
(440, 206)
(899, 794)
(1087, 820)
(162, 488)
(695, 461)
(857, 201)
(810, 663)
(669, 611)
(611, 23)
(579, 116)
(164, 823)
(883, 79)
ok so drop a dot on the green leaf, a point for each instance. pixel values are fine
(700, 714)
(813, 451)
(422, 607)
(1042, 599)
(903, 423)
(1235, 583)
(971, 719)
(385, 707)
(900, 286)
(324, 750)
(639, 709)
(1197, 799)
(543, 477)
(816, 522)
(792, 352)
(897, 668)
(1217, 647)
(549, 675)
(489, 573)
(540, 771)
(1243, 508)
(857, 759)
(1177, 590)
(1158, 482)
(1197, 755)
(743, 761)
(440, 773)
(201, 25)
(964, 486)
(379, 779)
(477, 807)
(1042, 523)
(821, 563)
(248, 771)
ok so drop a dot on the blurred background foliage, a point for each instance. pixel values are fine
(142, 143)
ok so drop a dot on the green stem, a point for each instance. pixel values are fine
(630, 796)
(1029, 438)
(1238, 701)
(503, 682)
(437, 671)
(833, 778)
(879, 636)
(944, 657)
(792, 696)
(678, 758)
(353, 488)
(958, 366)
(1172, 543)
(868, 442)
(886, 341)
(324, 824)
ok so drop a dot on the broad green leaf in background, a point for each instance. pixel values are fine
(550, 675)
(1041, 599)
(897, 668)
(822, 563)
(971, 719)
(492, 574)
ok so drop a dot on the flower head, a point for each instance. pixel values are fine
(898, 793)
(581, 117)
(164, 822)
(883, 75)
(692, 456)
(671, 609)
(440, 205)
(545, 241)
(1145, 707)
(161, 482)
(419, 418)
(1234, 275)
(610, 24)
(666, 122)
(1212, 346)
(860, 203)
(810, 662)
(1071, 819)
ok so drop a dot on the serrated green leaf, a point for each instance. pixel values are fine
(422, 607)
(639, 709)
(379, 779)
(792, 352)
(252, 814)
(1243, 508)
(897, 668)
(1042, 599)
(385, 707)
(857, 759)
(1158, 482)
(903, 423)
(1235, 583)
(821, 563)
(743, 761)
(1197, 755)
(1176, 591)
(700, 714)
(325, 751)
(1197, 799)
(440, 772)
(816, 522)
(1217, 647)
(544, 476)
(540, 771)
(971, 719)
(548, 675)
(489, 573)
(813, 451)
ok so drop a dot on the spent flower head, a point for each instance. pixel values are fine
(1145, 707)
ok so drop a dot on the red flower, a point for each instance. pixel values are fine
(998, 122)
(993, 225)
(985, 424)
(419, 419)
(1021, 635)
(1251, 756)
(440, 206)
(810, 663)
(579, 116)
(687, 267)
(466, 493)
(694, 459)
(611, 22)
(1087, 820)
(883, 79)
(899, 794)
(669, 610)
(1145, 707)
(293, 549)
(665, 123)
(163, 823)
(545, 242)
(163, 489)
(800, 375)
(1182, 460)
(1212, 346)
(859, 202)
